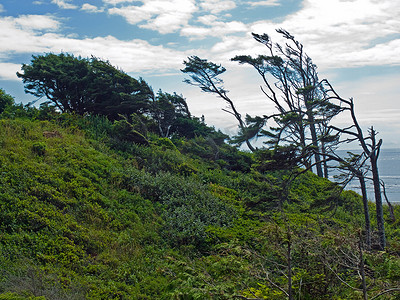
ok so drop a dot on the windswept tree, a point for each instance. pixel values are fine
(291, 82)
(113, 92)
(351, 167)
(85, 85)
(60, 78)
(167, 110)
(205, 75)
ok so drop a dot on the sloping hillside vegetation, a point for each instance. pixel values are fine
(94, 209)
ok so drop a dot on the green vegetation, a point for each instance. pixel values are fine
(93, 208)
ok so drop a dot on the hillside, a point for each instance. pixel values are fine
(88, 212)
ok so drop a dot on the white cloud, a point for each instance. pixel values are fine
(207, 19)
(196, 32)
(18, 33)
(16, 37)
(264, 3)
(217, 29)
(114, 2)
(339, 33)
(64, 4)
(22, 34)
(132, 14)
(8, 71)
(213, 28)
(164, 16)
(336, 34)
(35, 22)
(1, 8)
(217, 6)
(132, 56)
(91, 8)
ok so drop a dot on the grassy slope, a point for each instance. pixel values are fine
(82, 220)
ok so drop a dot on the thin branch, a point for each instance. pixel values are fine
(243, 297)
(392, 216)
(344, 282)
(385, 292)
(277, 286)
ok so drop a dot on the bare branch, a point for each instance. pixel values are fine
(385, 292)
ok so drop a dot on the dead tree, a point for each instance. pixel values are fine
(371, 149)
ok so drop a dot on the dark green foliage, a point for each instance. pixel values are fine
(204, 74)
(83, 85)
(39, 148)
(61, 78)
(125, 131)
(113, 92)
(280, 158)
(214, 150)
(168, 111)
(5, 100)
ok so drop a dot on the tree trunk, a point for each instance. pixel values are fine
(290, 275)
(362, 269)
(315, 144)
(325, 164)
(378, 202)
(252, 149)
(377, 190)
(366, 211)
(314, 137)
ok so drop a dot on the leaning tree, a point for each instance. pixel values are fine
(205, 75)
(291, 82)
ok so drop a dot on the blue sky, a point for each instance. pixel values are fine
(355, 43)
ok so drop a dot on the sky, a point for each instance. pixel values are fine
(354, 43)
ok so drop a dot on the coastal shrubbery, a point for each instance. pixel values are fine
(87, 213)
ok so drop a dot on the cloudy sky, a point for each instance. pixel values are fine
(355, 44)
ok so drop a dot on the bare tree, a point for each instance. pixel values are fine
(371, 149)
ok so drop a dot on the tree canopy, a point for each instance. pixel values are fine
(85, 85)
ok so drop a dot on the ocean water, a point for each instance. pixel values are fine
(389, 172)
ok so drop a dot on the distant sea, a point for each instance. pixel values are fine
(389, 172)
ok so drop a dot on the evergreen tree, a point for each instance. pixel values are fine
(85, 85)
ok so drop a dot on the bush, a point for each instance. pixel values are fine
(188, 206)
(125, 131)
(5, 100)
(39, 148)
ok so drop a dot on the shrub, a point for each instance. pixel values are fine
(5, 100)
(126, 132)
(39, 148)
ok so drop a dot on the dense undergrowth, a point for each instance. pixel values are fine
(88, 214)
